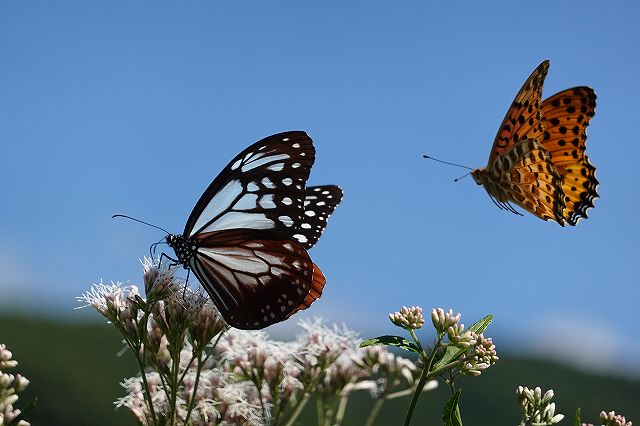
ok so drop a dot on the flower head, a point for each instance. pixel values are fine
(408, 318)
(443, 320)
(10, 386)
(482, 356)
(613, 419)
(537, 408)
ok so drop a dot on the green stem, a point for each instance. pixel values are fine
(174, 386)
(297, 409)
(423, 376)
(195, 390)
(329, 413)
(147, 392)
(374, 411)
(186, 370)
(342, 407)
(142, 327)
(320, 411)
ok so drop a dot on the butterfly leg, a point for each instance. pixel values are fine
(163, 255)
(186, 283)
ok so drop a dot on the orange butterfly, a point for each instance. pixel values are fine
(538, 158)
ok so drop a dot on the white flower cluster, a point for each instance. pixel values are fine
(10, 386)
(408, 318)
(537, 409)
(613, 419)
(197, 371)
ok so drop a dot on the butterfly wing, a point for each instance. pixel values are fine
(262, 188)
(566, 117)
(255, 281)
(243, 227)
(523, 119)
(530, 179)
(319, 203)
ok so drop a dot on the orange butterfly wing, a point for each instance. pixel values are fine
(523, 119)
(530, 179)
(559, 183)
(566, 118)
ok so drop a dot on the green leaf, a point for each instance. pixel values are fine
(452, 353)
(577, 419)
(451, 411)
(480, 326)
(398, 341)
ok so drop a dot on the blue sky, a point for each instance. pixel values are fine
(134, 107)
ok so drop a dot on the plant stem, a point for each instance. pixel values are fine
(142, 328)
(424, 375)
(195, 390)
(320, 411)
(147, 391)
(175, 361)
(297, 409)
(374, 411)
(342, 407)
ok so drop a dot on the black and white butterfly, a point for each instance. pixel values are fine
(246, 239)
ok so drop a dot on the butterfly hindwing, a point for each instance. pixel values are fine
(254, 282)
(319, 203)
(523, 119)
(531, 180)
(262, 188)
(566, 115)
(538, 159)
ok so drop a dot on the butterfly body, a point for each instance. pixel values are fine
(246, 239)
(538, 159)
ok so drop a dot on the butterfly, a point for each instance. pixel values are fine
(538, 158)
(246, 239)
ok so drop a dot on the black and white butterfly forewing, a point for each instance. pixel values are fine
(246, 238)
(319, 203)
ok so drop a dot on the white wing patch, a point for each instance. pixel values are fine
(319, 203)
(232, 220)
(246, 202)
(266, 202)
(218, 204)
(261, 159)
(236, 259)
(301, 238)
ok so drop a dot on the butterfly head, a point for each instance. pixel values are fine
(480, 176)
(185, 248)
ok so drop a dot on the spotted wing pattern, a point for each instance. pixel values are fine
(242, 239)
(262, 188)
(530, 179)
(319, 203)
(538, 159)
(523, 119)
(566, 117)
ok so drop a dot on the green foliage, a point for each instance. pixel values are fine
(577, 419)
(452, 353)
(451, 411)
(396, 341)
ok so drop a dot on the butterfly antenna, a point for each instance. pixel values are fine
(462, 177)
(138, 220)
(446, 162)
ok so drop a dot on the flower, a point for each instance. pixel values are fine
(10, 386)
(460, 338)
(537, 409)
(408, 318)
(613, 419)
(443, 320)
